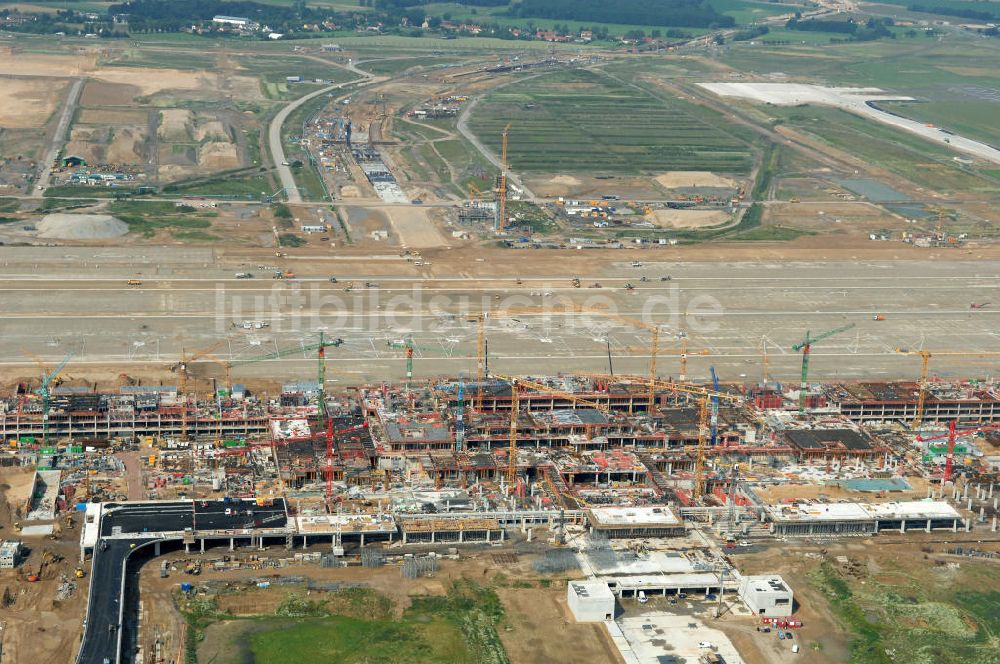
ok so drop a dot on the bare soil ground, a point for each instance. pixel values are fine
(414, 228)
(27, 103)
(148, 81)
(581, 186)
(39, 627)
(694, 179)
(542, 629)
(690, 218)
(102, 116)
(834, 216)
(100, 93)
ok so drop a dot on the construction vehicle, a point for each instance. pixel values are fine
(629, 287)
(576, 282)
(134, 282)
(878, 317)
(596, 284)
(79, 573)
(982, 305)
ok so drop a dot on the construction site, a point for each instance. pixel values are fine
(658, 486)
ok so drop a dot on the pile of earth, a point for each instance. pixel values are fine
(81, 227)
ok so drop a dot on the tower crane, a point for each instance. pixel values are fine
(704, 395)
(952, 435)
(925, 359)
(515, 385)
(181, 369)
(805, 346)
(502, 189)
(45, 393)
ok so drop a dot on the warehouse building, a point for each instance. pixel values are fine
(839, 519)
(619, 522)
(590, 601)
(767, 595)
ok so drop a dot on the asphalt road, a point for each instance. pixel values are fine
(274, 138)
(100, 639)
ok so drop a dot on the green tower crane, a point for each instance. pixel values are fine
(805, 346)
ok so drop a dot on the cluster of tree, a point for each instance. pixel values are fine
(868, 31)
(174, 15)
(64, 21)
(685, 13)
(752, 32)
(974, 14)
(390, 4)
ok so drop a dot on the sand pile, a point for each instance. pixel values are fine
(81, 226)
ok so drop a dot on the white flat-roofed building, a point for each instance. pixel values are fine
(237, 21)
(590, 601)
(617, 522)
(767, 595)
(809, 519)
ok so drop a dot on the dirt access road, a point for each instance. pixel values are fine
(58, 139)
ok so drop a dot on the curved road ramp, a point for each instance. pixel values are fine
(123, 536)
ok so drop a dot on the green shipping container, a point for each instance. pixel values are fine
(75, 449)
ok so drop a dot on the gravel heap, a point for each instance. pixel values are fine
(81, 226)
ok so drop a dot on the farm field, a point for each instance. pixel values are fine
(586, 122)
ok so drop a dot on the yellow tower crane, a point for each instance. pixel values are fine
(704, 396)
(502, 189)
(515, 401)
(925, 359)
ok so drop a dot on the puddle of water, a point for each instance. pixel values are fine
(873, 191)
(915, 211)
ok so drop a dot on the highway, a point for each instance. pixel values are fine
(128, 528)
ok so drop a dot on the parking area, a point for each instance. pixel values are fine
(666, 638)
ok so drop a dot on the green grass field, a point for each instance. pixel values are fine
(147, 217)
(172, 59)
(928, 625)
(352, 641)
(238, 186)
(925, 163)
(586, 122)
(357, 626)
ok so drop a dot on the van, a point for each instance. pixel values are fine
(642, 597)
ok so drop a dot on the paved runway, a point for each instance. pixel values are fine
(731, 310)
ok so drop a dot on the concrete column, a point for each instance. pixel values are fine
(991, 490)
(965, 491)
(994, 503)
(202, 544)
(876, 527)
(994, 523)
(902, 525)
(970, 505)
(362, 539)
(461, 536)
(982, 514)
(954, 526)
(501, 534)
(187, 548)
(156, 548)
(305, 541)
(432, 536)
(232, 543)
(968, 525)
(530, 531)
(404, 537)
(928, 526)
(487, 535)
